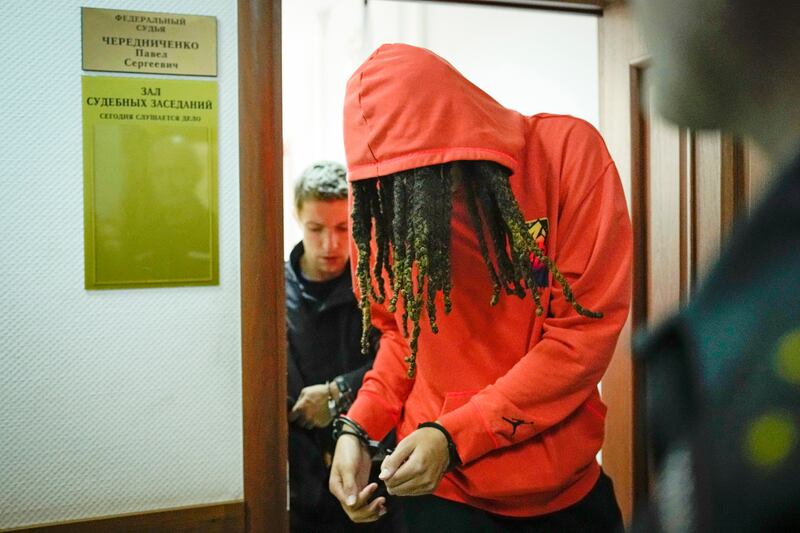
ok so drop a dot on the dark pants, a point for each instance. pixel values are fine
(340, 523)
(328, 516)
(597, 512)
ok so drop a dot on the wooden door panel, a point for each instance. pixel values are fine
(707, 168)
(664, 216)
(757, 170)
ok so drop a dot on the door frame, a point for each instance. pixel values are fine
(265, 445)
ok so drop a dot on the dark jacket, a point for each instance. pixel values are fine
(723, 384)
(323, 342)
(323, 337)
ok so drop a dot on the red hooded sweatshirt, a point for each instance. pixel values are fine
(517, 391)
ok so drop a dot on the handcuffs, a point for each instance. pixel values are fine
(343, 425)
(337, 407)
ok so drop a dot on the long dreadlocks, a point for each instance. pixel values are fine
(410, 211)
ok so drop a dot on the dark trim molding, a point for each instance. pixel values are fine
(216, 518)
(640, 209)
(694, 210)
(586, 7)
(261, 217)
(640, 193)
(734, 183)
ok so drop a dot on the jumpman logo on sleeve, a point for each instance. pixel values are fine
(515, 423)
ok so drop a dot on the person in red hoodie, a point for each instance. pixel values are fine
(478, 231)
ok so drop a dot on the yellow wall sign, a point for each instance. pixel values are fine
(150, 182)
(156, 43)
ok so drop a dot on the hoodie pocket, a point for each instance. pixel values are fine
(536, 468)
(454, 400)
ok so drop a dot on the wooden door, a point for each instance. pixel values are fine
(685, 189)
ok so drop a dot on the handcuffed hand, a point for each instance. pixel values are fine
(311, 408)
(417, 465)
(349, 481)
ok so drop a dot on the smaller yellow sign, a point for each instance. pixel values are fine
(157, 43)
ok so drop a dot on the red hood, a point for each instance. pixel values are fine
(406, 107)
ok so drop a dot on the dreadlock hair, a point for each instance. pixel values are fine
(410, 213)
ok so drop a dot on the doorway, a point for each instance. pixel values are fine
(268, 113)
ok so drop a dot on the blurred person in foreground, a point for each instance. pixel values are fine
(494, 254)
(325, 363)
(723, 376)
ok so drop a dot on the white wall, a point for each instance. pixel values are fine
(110, 401)
(532, 61)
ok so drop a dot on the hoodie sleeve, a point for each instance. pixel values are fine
(386, 386)
(559, 375)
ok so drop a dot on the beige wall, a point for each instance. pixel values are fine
(115, 401)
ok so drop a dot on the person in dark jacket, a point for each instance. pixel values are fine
(325, 364)
(723, 375)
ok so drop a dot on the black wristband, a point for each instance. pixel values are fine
(455, 460)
